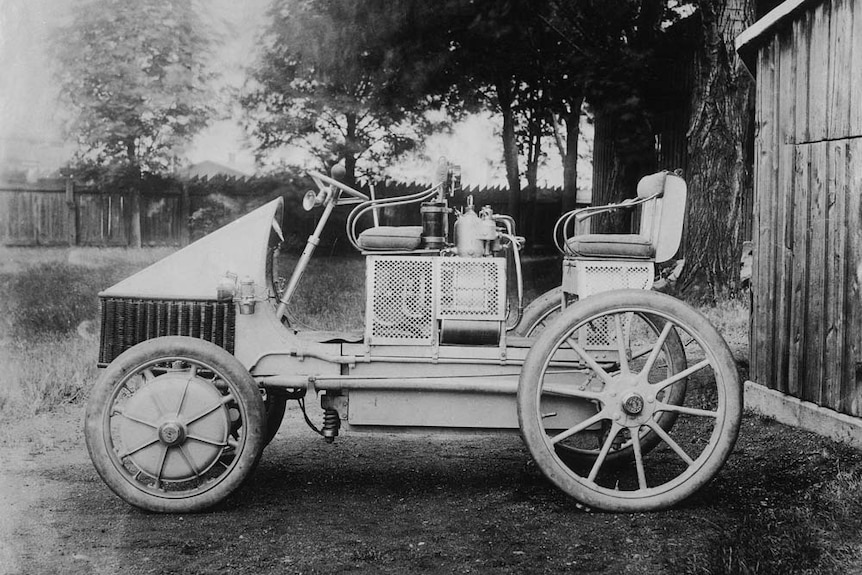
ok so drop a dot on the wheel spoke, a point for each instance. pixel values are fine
(589, 361)
(687, 410)
(639, 458)
(183, 397)
(148, 374)
(159, 407)
(657, 347)
(621, 345)
(225, 400)
(600, 460)
(134, 450)
(122, 413)
(162, 462)
(207, 441)
(681, 375)
(589, 422)
(671, 443)
(188, 459)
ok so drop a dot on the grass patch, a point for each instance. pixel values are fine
(330, 295)
(730, 316)
(42, 372)
(48, 321)
(815, 534)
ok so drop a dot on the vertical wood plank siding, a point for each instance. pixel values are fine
(806, 320)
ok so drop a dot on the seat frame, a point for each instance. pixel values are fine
(662, 198)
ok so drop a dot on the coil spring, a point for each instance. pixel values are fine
(331, 423)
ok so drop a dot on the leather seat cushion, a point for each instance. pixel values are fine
(611, 246)
(391, 238)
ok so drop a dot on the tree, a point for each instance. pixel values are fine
(492, 63)
(332, 79)
(135, 76)
(720, 148)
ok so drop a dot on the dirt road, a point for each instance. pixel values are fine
(394, 504)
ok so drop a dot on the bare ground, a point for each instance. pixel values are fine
(418, 504)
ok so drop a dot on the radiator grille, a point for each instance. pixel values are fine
(127, 321)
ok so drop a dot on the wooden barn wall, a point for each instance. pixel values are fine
(805, 329)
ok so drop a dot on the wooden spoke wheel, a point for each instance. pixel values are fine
(642, 445)
(540, 312)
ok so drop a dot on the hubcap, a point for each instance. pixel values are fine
(633, 404)
(172, 433)
(174, 428)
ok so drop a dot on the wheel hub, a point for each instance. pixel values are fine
(172, 433)
(174, 428)
(633, 404)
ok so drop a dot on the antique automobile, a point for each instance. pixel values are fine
(626, 399)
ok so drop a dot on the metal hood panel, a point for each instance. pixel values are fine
(194, 271)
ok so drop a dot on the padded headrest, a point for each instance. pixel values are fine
(652, 184)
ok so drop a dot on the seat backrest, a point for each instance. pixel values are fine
(662, 219)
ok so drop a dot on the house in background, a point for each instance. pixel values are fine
(208, 169)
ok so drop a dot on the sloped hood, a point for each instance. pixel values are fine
(194, 271)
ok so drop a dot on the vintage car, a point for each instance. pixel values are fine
(626, 399)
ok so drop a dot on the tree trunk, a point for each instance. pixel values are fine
(623, 152)
(505, 100)
(534, 154)
(570, 159)
(720, 141)
(350, 147)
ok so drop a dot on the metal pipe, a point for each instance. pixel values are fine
(492, 384)
(312, 242)
(516, 254)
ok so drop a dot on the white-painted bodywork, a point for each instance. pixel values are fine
(193, 272)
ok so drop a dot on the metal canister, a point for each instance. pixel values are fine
(435, 224)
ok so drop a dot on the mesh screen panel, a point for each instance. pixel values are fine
(598, 276)
(472, 288)
(400, 306)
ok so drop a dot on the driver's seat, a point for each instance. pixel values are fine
(662, 197)
(599, 262)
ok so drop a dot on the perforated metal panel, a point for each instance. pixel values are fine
(408, 294)
(400, 300)
(588, 277)
(471, 288)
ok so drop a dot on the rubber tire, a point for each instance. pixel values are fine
(543, 307)
(721, 443)
(242, 386)
(274, 406)
(538, 310)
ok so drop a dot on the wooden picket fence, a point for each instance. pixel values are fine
(64, 213)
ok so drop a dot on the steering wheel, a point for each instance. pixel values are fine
(326, 183)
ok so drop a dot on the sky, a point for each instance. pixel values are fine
(30, 119)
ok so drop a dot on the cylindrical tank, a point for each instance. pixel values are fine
(468, 233)
(434, 224)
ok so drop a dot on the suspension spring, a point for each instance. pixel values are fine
(331, 423)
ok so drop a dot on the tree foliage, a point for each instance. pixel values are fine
(336, 79)
(135, 77)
